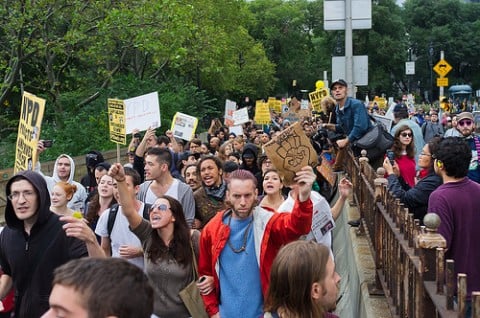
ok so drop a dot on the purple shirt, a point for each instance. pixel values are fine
(458, 206)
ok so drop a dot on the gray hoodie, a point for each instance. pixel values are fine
(77, 203)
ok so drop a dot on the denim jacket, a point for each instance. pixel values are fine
(353, 120)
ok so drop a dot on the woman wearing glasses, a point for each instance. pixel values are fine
(167, 243)
(404, 156)
(416, 198)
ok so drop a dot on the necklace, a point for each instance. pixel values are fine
(245, 237)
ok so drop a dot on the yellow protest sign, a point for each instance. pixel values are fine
(116, 121)
(29, 127)
(262, 114)
(275, 104)
(316, 98)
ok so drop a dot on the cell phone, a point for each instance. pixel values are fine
(47, 143)
(391, 156)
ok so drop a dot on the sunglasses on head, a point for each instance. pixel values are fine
(161, 207)
(406, 134)
(466, 122)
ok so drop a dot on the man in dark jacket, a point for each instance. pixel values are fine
(32, 244)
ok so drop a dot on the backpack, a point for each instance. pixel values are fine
(113, 214)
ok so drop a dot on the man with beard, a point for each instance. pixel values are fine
(238, 245)
(466, 126)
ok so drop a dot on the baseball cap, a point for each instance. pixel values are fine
(400, 108)
(464, 115)
(338, 81)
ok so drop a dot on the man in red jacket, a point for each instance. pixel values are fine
(238, 245)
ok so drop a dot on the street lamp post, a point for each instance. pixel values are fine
(431, 51)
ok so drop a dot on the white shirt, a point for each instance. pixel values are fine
(321, 227)
(121, 234)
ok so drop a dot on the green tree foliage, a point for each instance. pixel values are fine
(197, 53)
(448, 25)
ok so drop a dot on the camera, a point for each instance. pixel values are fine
(323, 139)
(47, 143)
(391, 156)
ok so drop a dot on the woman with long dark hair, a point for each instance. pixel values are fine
(416, 198)
(168, 245)
(404, 156)
(102, 200)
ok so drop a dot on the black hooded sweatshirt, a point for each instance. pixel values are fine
(31, 259)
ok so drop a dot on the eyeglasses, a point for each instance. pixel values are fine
(406, 134)
(14, 196)
(161, 207)
(425, 154)
(465, 123)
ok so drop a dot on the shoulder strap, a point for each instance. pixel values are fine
(194, 257)
(476, 140)
(146, 211)
(112, 214)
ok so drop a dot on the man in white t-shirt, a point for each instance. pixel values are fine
(122, 242)
(323, 218)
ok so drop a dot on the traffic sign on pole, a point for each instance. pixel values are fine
(442, 68)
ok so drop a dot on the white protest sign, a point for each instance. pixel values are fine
(384, 120)
(241, 116)
(237, 130)
(142, 112)
(230, 107)
(184, 126)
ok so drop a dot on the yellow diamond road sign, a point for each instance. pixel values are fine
(442, 68)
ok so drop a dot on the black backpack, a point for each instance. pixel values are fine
(113, 214)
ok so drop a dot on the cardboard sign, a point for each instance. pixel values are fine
(116, 121)
(326, 169)
(29, 127)
(290, 151)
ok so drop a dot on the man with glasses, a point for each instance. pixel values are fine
(466, 126)
(34, 243)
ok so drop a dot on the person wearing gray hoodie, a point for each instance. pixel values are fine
(64, 170)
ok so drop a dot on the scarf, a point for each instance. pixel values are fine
(218, 193)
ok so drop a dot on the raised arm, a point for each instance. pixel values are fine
(344, 188)
(126, 200)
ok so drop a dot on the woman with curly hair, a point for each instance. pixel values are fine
(404, 154)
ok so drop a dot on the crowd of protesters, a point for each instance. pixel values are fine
(223, 203)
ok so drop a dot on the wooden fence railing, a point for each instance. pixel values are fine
(409, 258)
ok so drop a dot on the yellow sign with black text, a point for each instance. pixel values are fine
(29, 127)
(442, 81)
(116, 121)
